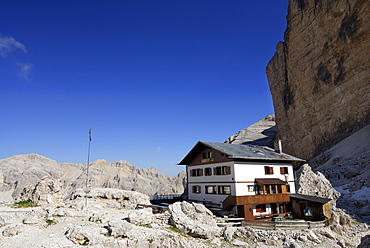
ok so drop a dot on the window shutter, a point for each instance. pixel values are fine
(267, 171)
(271, 170)
(281, 170)
(200, 172)
(227, 170)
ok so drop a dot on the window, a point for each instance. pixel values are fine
(224, 190)
(279, 189)
(267, 188)
(208, 171)
(222, 170)
(288, 188)
(269, 170)
(283, 170)
(250, 188)
(260, 190)
(196, 172)
(211, 190)
(196, 189)
(207, 155)
(273, 188)
(261, 208)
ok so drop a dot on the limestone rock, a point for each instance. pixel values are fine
(78, 235)
(228, 232)
(121, 229)
(261, 133)
(142, 217)
(12, 230)
(113, 198)
(45, 192)
(347, 166)
(315, 184)
(21, 171)
(319, 76)
(193, 219)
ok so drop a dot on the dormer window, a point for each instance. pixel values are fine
(207, 157)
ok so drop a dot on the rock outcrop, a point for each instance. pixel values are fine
(46, 191)
(260, 133)
(194, 219)
(319, 76)
(20, 171)
(315, 184)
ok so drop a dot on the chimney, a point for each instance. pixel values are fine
(277, 146)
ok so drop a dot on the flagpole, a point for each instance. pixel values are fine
(87, 168)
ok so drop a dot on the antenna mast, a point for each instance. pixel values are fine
(87, 169)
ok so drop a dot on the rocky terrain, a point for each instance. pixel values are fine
(20, 171)
(319, 76)
(261, 133)
(347, 167)
(105, 217)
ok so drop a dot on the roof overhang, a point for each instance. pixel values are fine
(240, 152)
(310, 198)
(270, 181)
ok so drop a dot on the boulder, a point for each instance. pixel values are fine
(12, 230)
(44, 192)
(228, 232)
(142, 217)
(121, 229)
(78, 235)
(194, 219)
(315, 184)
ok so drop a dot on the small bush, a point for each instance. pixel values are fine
(175, 229)
(24, 204)
(50, 222)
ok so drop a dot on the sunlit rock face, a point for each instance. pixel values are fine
(19, 172)
(319, 76)
(260, 133)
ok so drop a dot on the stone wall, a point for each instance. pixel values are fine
(319, 76)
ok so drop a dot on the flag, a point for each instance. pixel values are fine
(90, 134)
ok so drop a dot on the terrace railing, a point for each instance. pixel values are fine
(286, 224)
(164, 197)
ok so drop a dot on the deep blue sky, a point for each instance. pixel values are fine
(150, 78)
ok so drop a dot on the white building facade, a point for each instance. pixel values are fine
(246, 180)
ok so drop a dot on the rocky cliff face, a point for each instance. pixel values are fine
(319, 76)
(19, 171)
(260, 133)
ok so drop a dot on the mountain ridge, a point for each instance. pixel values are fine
(19, 171)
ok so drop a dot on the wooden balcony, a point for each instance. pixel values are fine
(255, 199)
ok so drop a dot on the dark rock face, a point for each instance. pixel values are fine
(319, 76)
